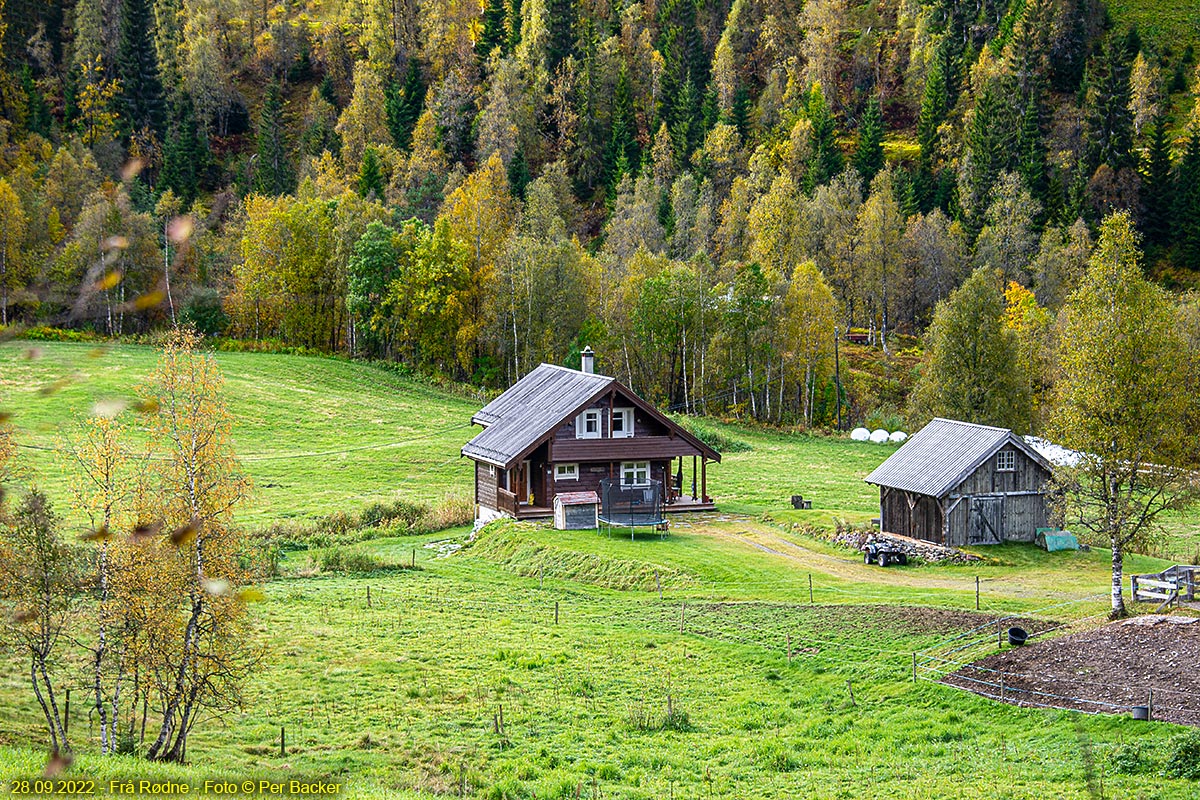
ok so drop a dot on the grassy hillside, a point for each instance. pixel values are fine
(456, 678)
(319, 435)
(402, 698)
(1166, 23)
(315, 434)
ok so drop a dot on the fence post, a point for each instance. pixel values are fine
(282, 742)
(976, 592)
(555, 612)
(789, 648)
(658, 583)
(682, 610)
(914, 667)
(810, 594)
(368, 597)
(1150, 706)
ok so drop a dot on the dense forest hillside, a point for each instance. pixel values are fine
(708, 192)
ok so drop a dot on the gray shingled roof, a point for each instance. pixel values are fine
(942, 454)
(533, 405)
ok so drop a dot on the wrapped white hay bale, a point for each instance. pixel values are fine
(860, 434)
(898, 436)
(879, 436)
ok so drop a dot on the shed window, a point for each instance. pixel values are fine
(587, 424)
(491, 470)
(1006, 461)
(566, 472)
(622, 423)
(635, 473)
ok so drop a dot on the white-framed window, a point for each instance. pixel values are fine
(566, 472)
(635, 473)
(587, 424)
(491, 470)
(622, 423)
(1006, 461)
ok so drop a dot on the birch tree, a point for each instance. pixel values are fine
(198, 484)
(1126, 401)
(40, 599)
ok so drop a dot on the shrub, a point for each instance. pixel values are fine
(203, 311)
(350, 561)
(1131, 759)
(1184, 758)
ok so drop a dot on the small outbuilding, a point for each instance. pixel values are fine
(960, 484)
(576, 511)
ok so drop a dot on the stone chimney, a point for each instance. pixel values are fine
(588, 359)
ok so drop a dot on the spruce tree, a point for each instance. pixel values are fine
(37, 113)
(868, 156)
(519, 176)
(137, 69)
(370, 176)
(563, 15)
(185, 152)
(403, 104)
(934, 101)
(1187, 206)
(1031, 150)
(1159, 185)
(825, 158)
(272, 171)
(494, 33)
(623, 153)
(1109, 120)
(514, 25)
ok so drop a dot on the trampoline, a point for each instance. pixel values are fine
(638, 506)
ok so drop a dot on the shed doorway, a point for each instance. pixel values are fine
(986, 521)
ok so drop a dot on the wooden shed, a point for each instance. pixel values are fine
(960, 484)
(576, 511)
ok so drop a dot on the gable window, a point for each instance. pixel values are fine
(1006, 461)
(635, 473)
(566, 472)
(587, 424)
(622, 423)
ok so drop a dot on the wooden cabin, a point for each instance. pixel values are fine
(560, 430)
(960, 484)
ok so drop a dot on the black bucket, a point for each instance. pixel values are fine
(1017, 636)
(1141, 712)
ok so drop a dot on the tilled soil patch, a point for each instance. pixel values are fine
(1108, 669)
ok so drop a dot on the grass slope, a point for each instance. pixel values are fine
(376, 434)
(1173, 23)
(403, 697)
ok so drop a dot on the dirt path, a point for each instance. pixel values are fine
(770, 540)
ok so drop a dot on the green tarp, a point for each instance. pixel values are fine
(1052, 540)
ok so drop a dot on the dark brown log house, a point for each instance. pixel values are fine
(564, 430)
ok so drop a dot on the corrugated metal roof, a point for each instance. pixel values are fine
(942, 454)
(532, 406)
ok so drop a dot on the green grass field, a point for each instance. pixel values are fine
(315, 434)
(458, 679)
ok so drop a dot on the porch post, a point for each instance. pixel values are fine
(694, 495)
(704, 479)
